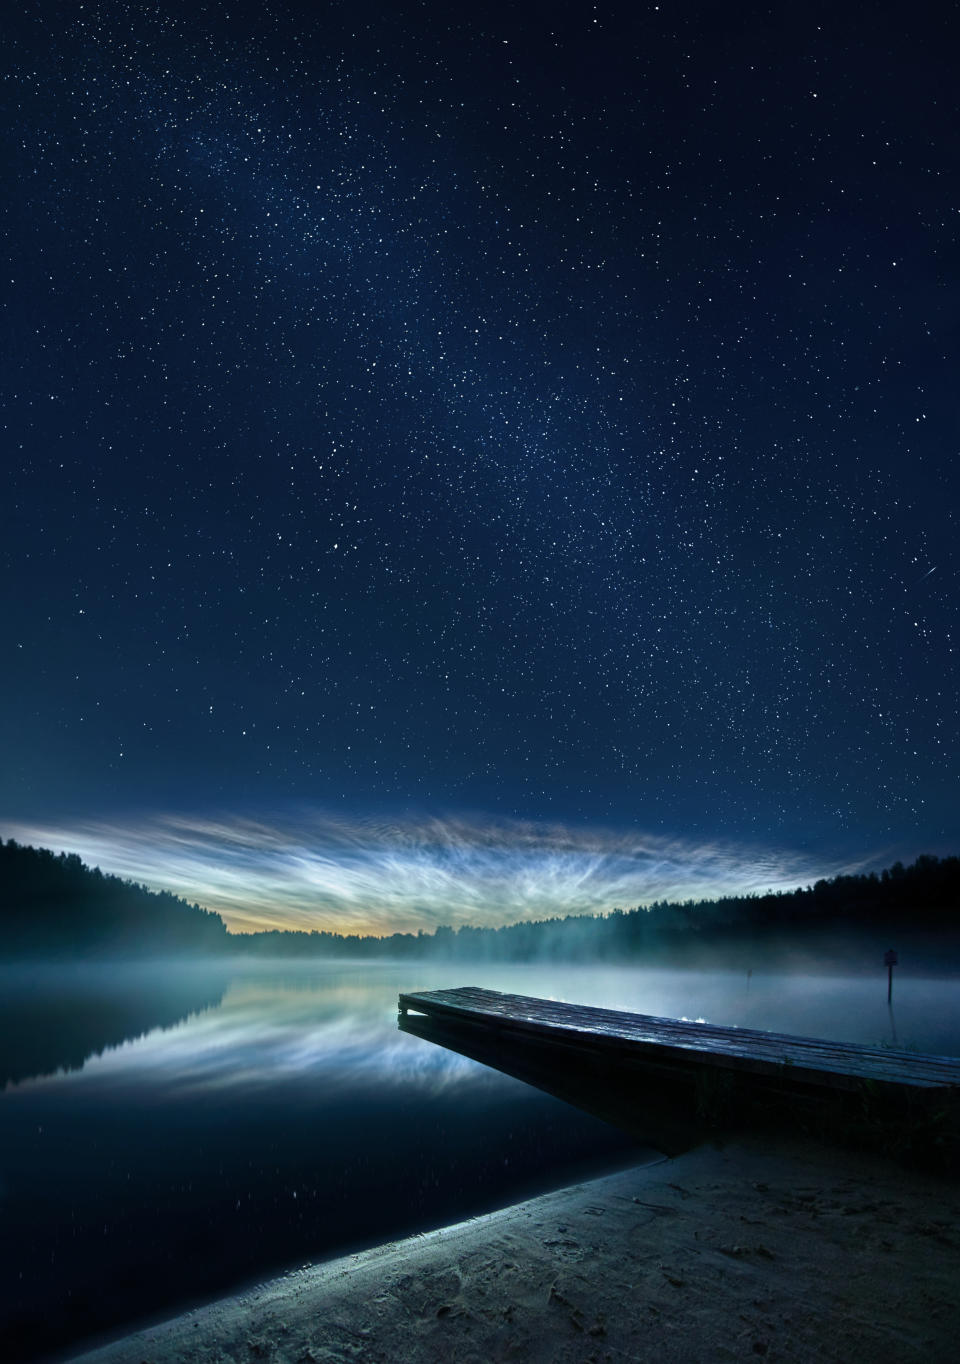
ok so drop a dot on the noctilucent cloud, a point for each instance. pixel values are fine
(380, 877)
(410, 412)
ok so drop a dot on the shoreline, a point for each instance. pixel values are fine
(762, 1247)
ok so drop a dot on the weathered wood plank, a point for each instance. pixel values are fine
(677, 1042)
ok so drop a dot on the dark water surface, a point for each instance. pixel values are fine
(167, 1135)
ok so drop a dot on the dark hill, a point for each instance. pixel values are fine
(53, 906)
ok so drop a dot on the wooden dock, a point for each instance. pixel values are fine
(630, 1067)
(809, 1060)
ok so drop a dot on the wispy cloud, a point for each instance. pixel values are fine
(308, 869)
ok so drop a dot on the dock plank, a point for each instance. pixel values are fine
(808, 1061)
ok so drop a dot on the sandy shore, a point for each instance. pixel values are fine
(777, 1250)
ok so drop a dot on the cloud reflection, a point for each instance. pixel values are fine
(319, 1032)
(308, 869)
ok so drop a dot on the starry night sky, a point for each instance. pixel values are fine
(488, 431)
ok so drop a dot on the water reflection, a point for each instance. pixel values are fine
(273, 1114)
(290, 1122)
(56, 1018)
(186, 1030)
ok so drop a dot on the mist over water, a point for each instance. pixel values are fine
(168, 1134)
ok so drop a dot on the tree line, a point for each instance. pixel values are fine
(52, 905)
(923, 898)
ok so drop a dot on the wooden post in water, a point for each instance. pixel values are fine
(890, 961)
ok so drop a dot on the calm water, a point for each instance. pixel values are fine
(166, 1136)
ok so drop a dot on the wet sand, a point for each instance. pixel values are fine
(767, 1249)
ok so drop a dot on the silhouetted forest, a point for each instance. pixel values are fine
(919, 903)
(51, 905)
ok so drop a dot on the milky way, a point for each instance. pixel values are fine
(548, 414)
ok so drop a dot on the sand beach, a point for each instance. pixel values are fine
(762, 1247)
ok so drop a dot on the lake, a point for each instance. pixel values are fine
(170, 1134)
